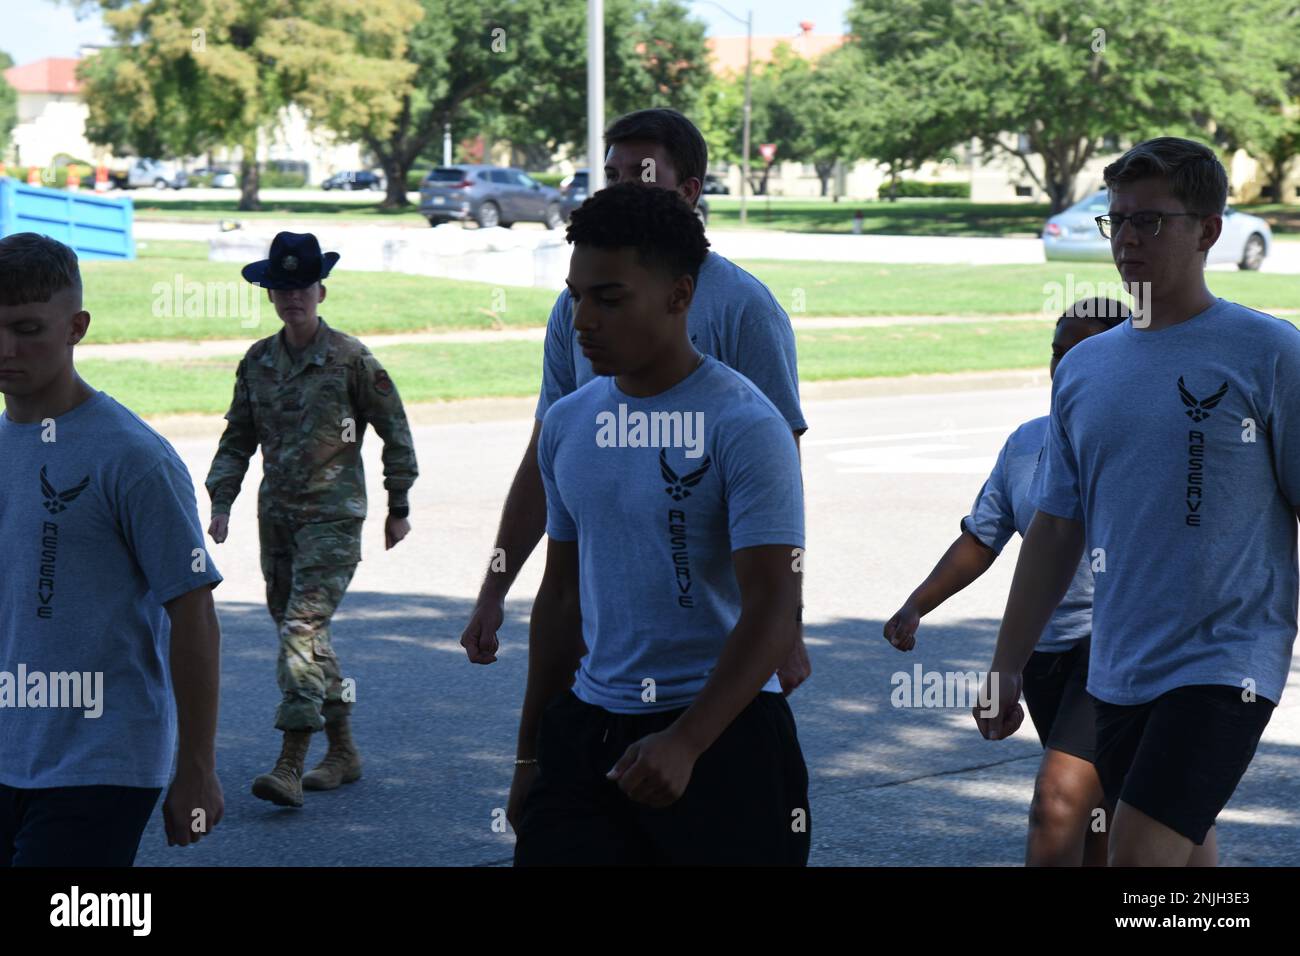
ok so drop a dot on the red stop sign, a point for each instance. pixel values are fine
(767, 151)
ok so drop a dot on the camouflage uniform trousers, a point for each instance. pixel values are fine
(307, 568)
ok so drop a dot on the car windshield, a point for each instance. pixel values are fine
(445, 174)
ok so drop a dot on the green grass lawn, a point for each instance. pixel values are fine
(136, 301)
(427, 372)
(913, 217)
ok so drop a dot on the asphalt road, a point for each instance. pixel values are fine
(888, 478)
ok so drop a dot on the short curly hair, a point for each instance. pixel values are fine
(658, 223)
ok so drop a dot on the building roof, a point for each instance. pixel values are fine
(54, 74)
(728, 53)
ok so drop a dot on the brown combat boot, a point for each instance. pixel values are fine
(283, 785)
(341, 764)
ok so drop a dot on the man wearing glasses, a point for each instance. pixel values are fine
(1173, 453)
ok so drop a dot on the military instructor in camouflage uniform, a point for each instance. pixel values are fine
(305, 395)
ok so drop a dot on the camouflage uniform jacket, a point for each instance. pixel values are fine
(309, 416)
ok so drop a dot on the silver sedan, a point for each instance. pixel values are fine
(1073, 235)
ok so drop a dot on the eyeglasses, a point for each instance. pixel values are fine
(1146, 223)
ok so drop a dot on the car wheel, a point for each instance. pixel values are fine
(554, 218)
(1252, 257)
(488, 215)
(434, 220)
(160, 183)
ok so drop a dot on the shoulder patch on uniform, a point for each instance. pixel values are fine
(383, 384)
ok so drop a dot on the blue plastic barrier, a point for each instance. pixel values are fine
(95, 226)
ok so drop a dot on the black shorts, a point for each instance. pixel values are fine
(746, 803)
(1178, 758)
(1056, 692)
(73, 826)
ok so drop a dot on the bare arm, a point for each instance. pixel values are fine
(554, 641)
(656, 769)
(196, 683)
(1046, 566)
(964, 561)
(1047, 563)
(797, 667)
(554, 648)
(760, 641)
(523, 522)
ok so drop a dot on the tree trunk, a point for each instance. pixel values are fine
(1060, 191)
(395, 168)
(824, 173)
(249, 185)
(537, 156)
(249, 177)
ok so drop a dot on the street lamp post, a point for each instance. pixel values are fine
(595, 95)
(749, 64)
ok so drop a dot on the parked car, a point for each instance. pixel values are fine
(150, 172)
(489, 195)
(714, 186)
(221, 178)
(359, 179)
(1073, 235)
(574, 190)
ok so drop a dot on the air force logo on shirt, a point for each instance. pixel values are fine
(1198, 409)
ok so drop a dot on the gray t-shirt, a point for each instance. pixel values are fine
(1003, 507)
(733, 317)
(1179, 450)
(657, 519)
(100, 530)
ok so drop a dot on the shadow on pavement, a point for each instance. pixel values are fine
(889, 785)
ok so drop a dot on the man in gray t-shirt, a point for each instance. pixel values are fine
(734, 318)
(106, 609)
(1173, 456)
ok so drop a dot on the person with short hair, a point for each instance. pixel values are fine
(671, 590)
(1066, 791)
(1173, 455)
(734, 318)
(103, 584)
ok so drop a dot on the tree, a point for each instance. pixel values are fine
(519, 72)
(720, 116)
(1271, 134)
(457, 52)
(1067, 75)
(795, 105)
(189, 75)
(8, 105)
(655, 55)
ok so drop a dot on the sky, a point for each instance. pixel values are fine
(34, 29)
